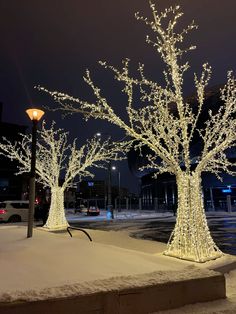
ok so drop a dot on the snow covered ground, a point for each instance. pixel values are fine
(48, 260)
(221, 306)
(124, 214)
(137, 214)
(51, 265)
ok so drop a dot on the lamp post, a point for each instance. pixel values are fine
(109, 204)
(35, 115)
(109, 168)
(119, 196)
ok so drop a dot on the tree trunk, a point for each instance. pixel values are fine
(191, 238)
(56, 218)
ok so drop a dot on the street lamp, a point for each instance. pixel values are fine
(109, 203)
(119, 196)
(35, 115)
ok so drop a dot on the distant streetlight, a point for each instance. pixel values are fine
(119, 196)
(35, 115)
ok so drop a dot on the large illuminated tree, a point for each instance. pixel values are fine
(167, 123)
(56, 158)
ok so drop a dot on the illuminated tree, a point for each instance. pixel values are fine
(56, 158)
(167, 123)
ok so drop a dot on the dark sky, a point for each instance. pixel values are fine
(51, 43)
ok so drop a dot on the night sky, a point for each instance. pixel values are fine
(51, 43)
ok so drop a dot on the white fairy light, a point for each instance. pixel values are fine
(54, 156)
(166, 124)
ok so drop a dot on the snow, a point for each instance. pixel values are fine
(123, 215)
(52, 265)
(49, 260)
(137, 214)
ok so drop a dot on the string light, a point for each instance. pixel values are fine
(55, 157)
(166, 124)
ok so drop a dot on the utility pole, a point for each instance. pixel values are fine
(109, 203)
(119, 205)
(34, 115)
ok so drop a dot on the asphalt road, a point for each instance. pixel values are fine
(222, 227)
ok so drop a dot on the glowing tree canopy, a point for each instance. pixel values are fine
(56, 158)
(166, 123)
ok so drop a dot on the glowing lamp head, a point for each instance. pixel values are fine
(113, 167)
(35, 114)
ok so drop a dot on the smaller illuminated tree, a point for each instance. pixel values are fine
(55, 157)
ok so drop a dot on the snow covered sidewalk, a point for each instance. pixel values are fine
(122, 215)
(54, 266)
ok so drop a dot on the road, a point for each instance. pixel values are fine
(222, 227)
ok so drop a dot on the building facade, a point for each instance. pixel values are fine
(12, 187)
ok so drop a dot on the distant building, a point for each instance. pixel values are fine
(90, 190)
(11, 186)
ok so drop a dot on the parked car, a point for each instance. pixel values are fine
(81, 209)
(93, 211)
(14, 211)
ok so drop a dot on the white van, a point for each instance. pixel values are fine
(14, 211)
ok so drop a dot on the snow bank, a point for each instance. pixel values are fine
(54, 265)
(50, 264)
(110, 284)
